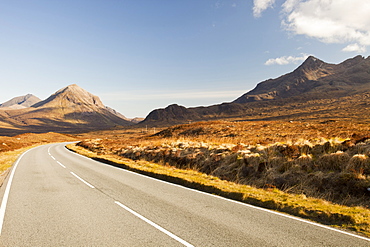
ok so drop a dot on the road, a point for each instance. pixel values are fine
(58, 198)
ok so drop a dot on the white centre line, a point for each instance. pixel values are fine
(154, 225)
(61, 164)
(74, 174)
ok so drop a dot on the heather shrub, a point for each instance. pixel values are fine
(359, 164)
(333, 162)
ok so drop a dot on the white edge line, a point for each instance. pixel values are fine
(154, 224)
(7, 190)
(74, 174)
(252, 206)
(61, 164)
(240, 203)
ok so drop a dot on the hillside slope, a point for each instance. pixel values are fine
(315, 79)
(21, 102)
(70, 109)
(314, 90)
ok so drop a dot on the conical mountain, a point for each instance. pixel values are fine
(21, 102)
(70, 109)
(71, 96)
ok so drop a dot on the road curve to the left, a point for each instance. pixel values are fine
(54, 197)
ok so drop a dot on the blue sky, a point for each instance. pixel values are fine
(139, 55)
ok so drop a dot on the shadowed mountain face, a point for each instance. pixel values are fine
(71, 109)
(314, 90)
(315, 79)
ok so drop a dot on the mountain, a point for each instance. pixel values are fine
(21, 102)
(315, 79)
(313, 90)
(70, 109)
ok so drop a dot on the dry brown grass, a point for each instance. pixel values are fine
(319, 159)
(352, 218)
(12, 147)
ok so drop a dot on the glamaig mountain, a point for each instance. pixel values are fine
(70, 109)
(315, 90)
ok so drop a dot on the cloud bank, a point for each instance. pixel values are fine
(329, 21)
(261, 5)
(286, 60)
(354, 48)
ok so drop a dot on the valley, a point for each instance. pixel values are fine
(299, 143)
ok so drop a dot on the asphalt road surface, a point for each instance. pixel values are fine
(54, 197)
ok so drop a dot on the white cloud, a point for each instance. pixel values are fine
(286, 60)
(330, 21)
(261, 5)
(354, 48)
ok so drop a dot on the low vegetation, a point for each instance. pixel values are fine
(316, 170)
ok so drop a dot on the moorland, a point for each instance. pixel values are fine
(299, 144)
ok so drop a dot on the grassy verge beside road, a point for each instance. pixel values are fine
(12, 147)
(349, 218)
(7, 159)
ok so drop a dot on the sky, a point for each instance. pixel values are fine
(140, 55)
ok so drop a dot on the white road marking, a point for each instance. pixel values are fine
(61, 164)
(170, 234)
(240, 203)
(248, 205)
(74, 174)
(6, 193)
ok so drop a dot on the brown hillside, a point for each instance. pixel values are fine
(71, 109)
(316, 80)
(315, 90)
(21, 102)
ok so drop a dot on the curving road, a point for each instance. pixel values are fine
(54, 197)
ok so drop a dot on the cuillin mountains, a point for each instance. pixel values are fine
(315, 90)
(69, 110)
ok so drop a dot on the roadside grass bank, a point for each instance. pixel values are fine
(7, 159)
(12, 147)
(348, 218)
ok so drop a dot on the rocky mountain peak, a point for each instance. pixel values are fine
(311, 63)
(21, 101)
(72, 95)
(352, 61)
(312, 76)
(70, 109)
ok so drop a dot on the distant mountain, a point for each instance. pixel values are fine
(314, 90)
(315, 79)
(70, 109)
(21, 102)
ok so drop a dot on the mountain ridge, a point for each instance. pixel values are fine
(70, 109)
(312, 75)
(21, 102)
(310, 86)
